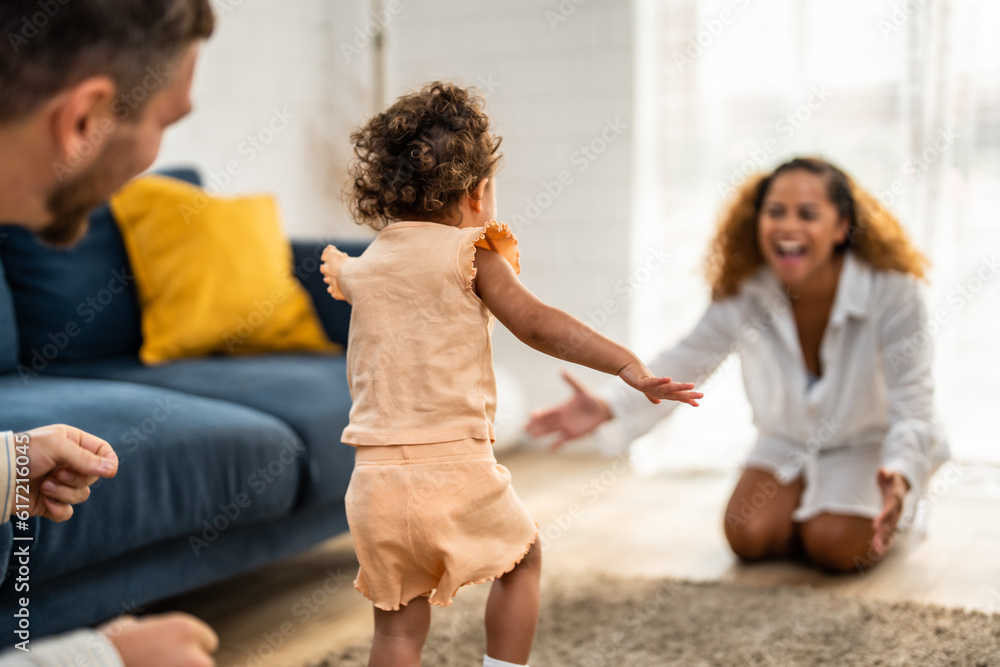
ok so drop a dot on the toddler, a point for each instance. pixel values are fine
(429, 508)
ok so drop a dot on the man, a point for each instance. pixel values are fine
(87, 88)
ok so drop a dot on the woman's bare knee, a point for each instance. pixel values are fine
(748, 544)
(761, 539)
(839, 543)
(758, 522)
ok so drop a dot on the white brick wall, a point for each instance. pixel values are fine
(555, 89)
(269, 55)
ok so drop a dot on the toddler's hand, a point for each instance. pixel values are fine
(636, 375)
(330, 268)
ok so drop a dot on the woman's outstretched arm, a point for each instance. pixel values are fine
(694, 359)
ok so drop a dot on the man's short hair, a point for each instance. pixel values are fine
(47, 46)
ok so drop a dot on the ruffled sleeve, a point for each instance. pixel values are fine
(333, 263)
(495, 236)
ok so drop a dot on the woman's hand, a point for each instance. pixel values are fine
(637, 376)
(894, 489)
(577, 417)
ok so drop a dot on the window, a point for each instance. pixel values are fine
(903, 93)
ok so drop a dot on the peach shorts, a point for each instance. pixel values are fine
(428, 519)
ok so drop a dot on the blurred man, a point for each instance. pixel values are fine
(87, 88)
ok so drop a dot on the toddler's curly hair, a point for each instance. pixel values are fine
(416, 159)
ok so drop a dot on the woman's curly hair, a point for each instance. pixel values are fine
(416, 159)
(874, 234)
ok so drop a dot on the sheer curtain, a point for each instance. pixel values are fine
(905, 96)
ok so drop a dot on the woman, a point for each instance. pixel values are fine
(814, 286)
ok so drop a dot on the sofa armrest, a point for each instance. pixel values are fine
(335, 315)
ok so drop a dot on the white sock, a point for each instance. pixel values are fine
(493, 662)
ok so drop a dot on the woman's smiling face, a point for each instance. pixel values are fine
(798, 227)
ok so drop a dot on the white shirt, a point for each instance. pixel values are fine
(81, 648)
(8, 476)
(875, 390)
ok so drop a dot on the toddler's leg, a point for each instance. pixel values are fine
(400, 635)
(512, 610)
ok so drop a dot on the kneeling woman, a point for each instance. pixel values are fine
(814, 286)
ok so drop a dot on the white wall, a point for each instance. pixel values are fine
(269, 55)
(554, 81)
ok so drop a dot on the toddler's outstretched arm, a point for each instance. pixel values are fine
(561, 335)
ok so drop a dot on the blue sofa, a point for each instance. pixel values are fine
(226, 463)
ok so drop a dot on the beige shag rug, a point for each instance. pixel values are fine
(623, 623)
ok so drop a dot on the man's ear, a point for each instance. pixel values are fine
(476, 196)
(83, 119)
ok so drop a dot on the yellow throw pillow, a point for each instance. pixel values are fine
(214, 275)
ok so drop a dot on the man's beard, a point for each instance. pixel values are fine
(72, 201)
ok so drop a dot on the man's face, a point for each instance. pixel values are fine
(127, 150)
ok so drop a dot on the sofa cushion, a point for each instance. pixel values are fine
(335, 315)
(307, 392)
(76, 303)
(214, 274)
(189, 468)
(8, 323)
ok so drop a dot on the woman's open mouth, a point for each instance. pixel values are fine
(789, 249)
(789, 255)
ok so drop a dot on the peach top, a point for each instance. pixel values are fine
(419, 351)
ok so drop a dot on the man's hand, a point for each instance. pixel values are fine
(167, 640)
(894, 489)
(62, 464)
